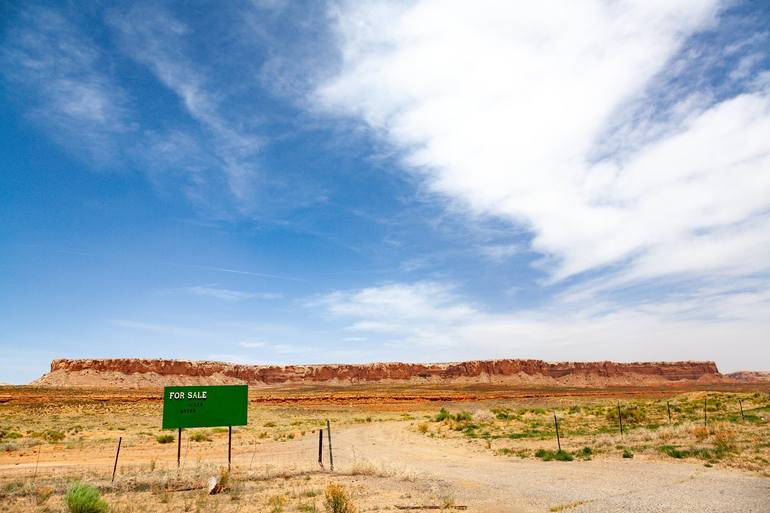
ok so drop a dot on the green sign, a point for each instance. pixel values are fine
(205, 406)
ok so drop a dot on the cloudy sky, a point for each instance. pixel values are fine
(288, 182)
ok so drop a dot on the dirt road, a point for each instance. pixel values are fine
(496, 484)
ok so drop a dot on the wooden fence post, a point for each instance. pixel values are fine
(229, 446)
(321, 447)
(668, 406)
(115, 467)
(34, 476)
(329, 433)
(743, 417)
(620, 419)
(556, 423)
(705, 414)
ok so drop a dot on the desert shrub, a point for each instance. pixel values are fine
(276, 503)
(724, 439)
(224, 479)
(627, 454)
(200, 436)
(84, 498)
(337, 499)
(463, 416)
(585, 453)
(268, 424)
(164, 439)
(700, 432)
(49, 435)
(443, 415)
(13, 435)
(547, 455)
(42, 495)
(631, 415)
(422, 427)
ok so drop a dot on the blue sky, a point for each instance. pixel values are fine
(289, 182)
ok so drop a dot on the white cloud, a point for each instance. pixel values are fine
(509, 110)
(251, 344)
(228, 294)
(437, 324)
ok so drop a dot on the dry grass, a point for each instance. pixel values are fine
(727, 439)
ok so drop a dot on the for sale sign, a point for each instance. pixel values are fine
(205, 406)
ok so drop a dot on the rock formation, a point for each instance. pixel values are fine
(146, 372)
(749, 376)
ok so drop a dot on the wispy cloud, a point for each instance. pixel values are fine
(58, 72)
(154, 37)
(163, 329)
(228, 294)
(235, 271)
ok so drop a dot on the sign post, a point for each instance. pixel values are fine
(205, 406)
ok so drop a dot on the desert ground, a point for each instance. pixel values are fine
(398, 448)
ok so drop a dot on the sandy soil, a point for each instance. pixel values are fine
(408, 464)
(378, 454)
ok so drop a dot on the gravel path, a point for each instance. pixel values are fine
(496, 484)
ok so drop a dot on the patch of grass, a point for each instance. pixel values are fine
(672, 451)
(585, 453)
(49, 435)
(84, 498)
(631, 415)
(200, 436)
(165, 439)
(567, 505)
(547, 455)
(627, 454)
(337, 499)
(422, 427)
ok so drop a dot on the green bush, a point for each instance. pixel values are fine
(85, 498)
(627, 454)
(165, 439)
(442, 415)
(547, 455)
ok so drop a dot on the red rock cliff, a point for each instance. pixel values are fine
(121, 371)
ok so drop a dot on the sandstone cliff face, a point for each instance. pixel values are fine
(144, 372)
(749, 376)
